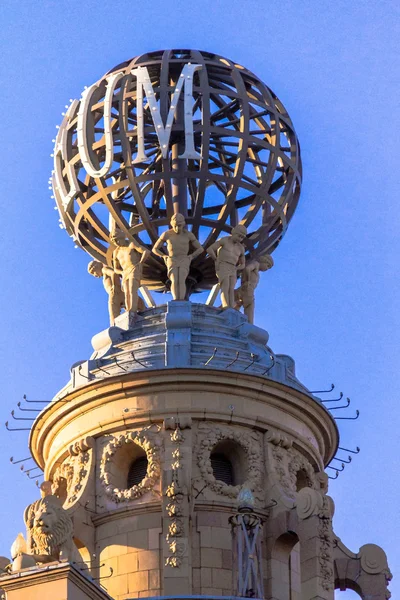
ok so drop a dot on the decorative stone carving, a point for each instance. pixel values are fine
(149, 440)
(373, 559)
(69, 478)
(228, 254)
(326, 543)
(176, 492)
(50, 535)
(245, 295)
(309, 502)
(250, 442)
(178, 257)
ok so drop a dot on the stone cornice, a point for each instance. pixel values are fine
(114, 392)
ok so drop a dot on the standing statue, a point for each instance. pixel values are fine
(127, 261)
(112, 285)
(250, 277)
(178, 258)
(228, 254)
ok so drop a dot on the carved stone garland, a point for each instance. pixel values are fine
(175, 492)
(150, 442)
(68, 478)
(249, 442)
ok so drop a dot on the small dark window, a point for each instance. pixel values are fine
(137, 471)
(222, 468)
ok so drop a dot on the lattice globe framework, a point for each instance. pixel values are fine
(247, 167)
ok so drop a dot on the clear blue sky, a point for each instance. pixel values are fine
(331, 300)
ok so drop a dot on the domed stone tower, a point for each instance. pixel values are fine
(183, 458)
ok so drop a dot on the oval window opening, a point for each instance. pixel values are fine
(222, 468)
(137, 471)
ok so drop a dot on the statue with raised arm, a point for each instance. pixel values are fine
(179, 241)
(112, 285)
(250, 278)
(128, 259)
(228, 254)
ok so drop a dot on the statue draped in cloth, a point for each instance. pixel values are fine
(128, 259)
(250, 278)
(178, 258)
(228, 254)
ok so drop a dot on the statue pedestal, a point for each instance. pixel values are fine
(55, 580)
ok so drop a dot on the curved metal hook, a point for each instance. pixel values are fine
(101, 368)
(324, 391)
(272, 357)
(336, 476)
(253, 360)
(211, 357)
(338, 407)
(138, 361)
(349, 418)
(82, 374)
(34, 401)
(20, 418)
(233, 361)
(19, 429)
(28, 409)
(356, 451)
(342, 460)
(336, 468)
(334, 399)
(16, 462)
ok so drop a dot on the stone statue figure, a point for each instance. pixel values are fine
(128, 259)
(250, 277)
(178, 256)
(49, 535)
(112, 285)
(228, 254)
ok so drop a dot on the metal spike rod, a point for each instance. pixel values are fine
(356, 451)
(272, 357)
(233, 361)
(138, 361)
(20, 418)
(19, 429)
(211, 357)
(336, 476)
(336, 468)
(342, 460)
(349, 418)
(338, 407)
(324, 391)
(334, 399)
(27, 409)
(34, 401)
(253, 360)
(16, 462)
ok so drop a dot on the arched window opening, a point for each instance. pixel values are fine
(302, 480)
(285, 582)
(137, 471)
(229, 462)
(222, 468)
(347, 595)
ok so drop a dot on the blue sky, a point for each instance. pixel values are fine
(332, 299)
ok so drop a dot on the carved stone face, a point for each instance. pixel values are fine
(178, 223)
(45, 519)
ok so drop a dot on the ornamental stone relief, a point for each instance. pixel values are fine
(285, 463)
(69, 478)
(150, 441)
(250, 442)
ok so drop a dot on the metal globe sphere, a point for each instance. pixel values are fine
(176, 131)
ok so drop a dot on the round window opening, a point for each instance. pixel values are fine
(229, 463)
(137, 471)
(130, 466)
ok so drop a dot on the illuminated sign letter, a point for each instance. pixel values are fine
(164, 132)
